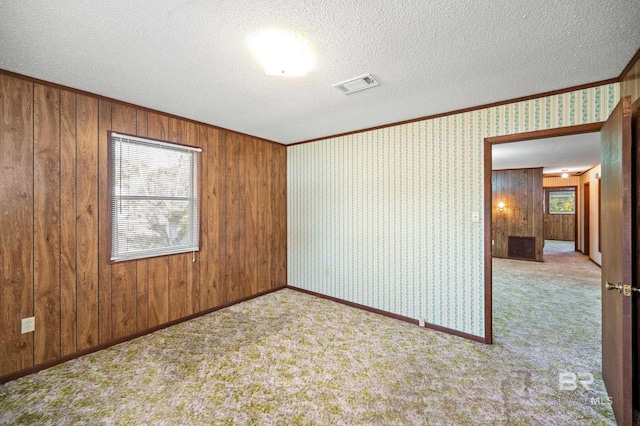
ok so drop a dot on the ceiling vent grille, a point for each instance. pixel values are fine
(357, 84)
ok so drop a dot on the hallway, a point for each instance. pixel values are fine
(551, 311)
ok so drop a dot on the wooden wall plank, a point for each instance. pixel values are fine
(241, 287)
(124, 274)
(177, 286)
(217, 232)
(278, 202)
(68, 235)
(123, 299)
(206, 248)
(158, 128)
(263, 212)
(104, 230)
(142, 266)
(280, 219)
(273, 211)
(46, 222)
(16, 222)
(234, 218)
(142, 299)
(87, 222)
(498, 227)
(177, 262)
(158, 291)
(537, 219)
(193, 265)
(251, 218)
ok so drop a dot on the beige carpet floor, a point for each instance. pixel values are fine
(290, 358)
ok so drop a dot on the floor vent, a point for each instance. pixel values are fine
(357, 84)
(522, 248)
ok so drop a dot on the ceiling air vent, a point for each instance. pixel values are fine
(357, 84)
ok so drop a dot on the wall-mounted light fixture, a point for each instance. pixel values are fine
(501, 206)
(565, 174)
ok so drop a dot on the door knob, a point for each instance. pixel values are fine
(612, 286)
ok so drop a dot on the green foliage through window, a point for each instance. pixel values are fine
(562, 202)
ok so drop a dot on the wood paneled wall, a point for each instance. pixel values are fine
(522, 193)
(630, 84)
(54, 262)
(560, 227)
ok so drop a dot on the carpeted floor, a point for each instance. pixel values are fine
(289, 358)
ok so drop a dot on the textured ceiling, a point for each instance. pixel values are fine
(190, 58)
(576, 153)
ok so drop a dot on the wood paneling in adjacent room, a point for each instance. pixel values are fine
(54, 229)
(521, 191)
(630, 81)
(561, 227)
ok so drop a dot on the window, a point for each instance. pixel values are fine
(562, 202)
(155, 200)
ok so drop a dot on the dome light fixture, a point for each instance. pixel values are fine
(281, 53)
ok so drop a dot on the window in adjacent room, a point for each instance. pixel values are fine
(562, 201)
(155, 197)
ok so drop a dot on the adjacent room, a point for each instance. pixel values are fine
(266, 212)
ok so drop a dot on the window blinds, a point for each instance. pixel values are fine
(155, 198)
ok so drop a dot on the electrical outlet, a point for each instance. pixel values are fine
(327, 271)
(421, 322)
(28, 325)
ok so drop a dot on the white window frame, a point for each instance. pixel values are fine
(118, 254)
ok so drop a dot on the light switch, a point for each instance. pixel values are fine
(475, 217)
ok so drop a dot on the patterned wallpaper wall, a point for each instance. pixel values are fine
(383, 218)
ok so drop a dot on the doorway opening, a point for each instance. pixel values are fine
(561, 210)
(492, 207)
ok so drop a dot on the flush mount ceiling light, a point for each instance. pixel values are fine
(281, 53)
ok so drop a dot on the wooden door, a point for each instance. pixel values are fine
(617, 260)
